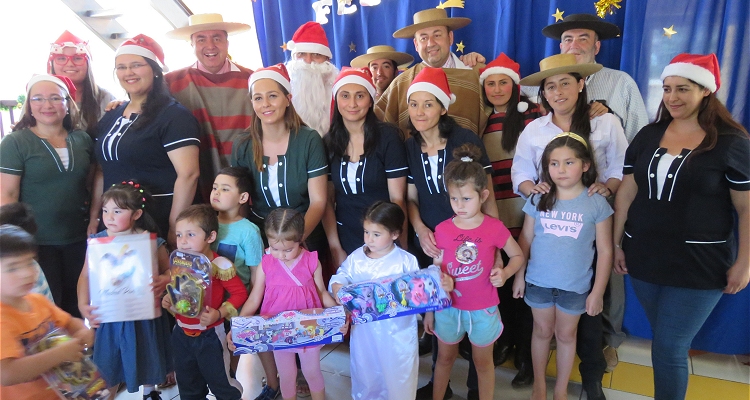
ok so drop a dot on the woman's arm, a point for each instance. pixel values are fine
(97, 188)
(185, 162)
(331, 228)
(595, 299)
(739, 274)
(10, 188)
(489, 206)
(425, 234)
(317, 190)
(397, 195)
(625, 196)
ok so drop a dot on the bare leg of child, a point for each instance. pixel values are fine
(269, 367)
(447, 354)
(310, 361)
(566, 326)
(544, 328)
(484, 362)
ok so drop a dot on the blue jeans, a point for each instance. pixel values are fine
(675, 314)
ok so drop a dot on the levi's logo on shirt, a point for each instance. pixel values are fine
(561, 223)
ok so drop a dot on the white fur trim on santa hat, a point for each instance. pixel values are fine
(354, 79)
(270, 74)
(434, 90)
(308, 48)
(693, 72)
(143, 52)
(48, 78)
(499, 70)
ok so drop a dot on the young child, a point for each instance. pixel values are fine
(374, 377)
(199, 344)
(27, 317)
(468, 243)
(134, 352)
(559, 234)
(290, 278)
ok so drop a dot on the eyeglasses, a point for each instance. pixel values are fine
(133, 66)
(77, 59)
(55, 100)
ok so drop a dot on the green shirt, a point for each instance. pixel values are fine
(305, 158)
(57, 195)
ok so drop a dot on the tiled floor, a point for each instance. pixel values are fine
(714, 376)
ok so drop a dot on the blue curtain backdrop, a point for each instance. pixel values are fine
(514, 27)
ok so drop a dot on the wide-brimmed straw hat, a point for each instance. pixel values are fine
(378, 52)
(604, 30)
(207, 22)
(559, 64)
(431, 17)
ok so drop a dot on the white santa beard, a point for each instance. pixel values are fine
(312, 85)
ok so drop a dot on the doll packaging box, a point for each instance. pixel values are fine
(395, 296)
(289, 329)
(121, 271)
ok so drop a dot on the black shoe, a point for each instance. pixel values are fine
(472, 395)
(594, 391)
(152, 396)
(500, 353)
(464, 348)
(425, 392)
(524, 377)
(425, 344)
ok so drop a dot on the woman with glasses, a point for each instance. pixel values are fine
(150, 138)
(71, 57)
(45, 163)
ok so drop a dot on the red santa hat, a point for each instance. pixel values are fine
(63, 81)
(699, 68)
(505, 65)
(276, 72)
(144, 46)
(310, 38)
(68, 39)
(435, 82)
(360, 76)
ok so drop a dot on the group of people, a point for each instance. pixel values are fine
(526, 191)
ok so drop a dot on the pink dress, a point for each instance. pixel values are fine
(290, 288)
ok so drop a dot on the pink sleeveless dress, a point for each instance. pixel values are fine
(290, 288)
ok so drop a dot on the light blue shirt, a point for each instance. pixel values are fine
(241, 243)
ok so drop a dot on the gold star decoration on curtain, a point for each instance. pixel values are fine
(668, 32)
(460, 46)
(558, 14)
(451, 3)
(352, 47)
(283, 47)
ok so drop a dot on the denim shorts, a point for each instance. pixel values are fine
(568, 302)
(483, 326)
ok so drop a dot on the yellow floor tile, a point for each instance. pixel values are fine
(575, 375)
(701, 387)
(633, 378)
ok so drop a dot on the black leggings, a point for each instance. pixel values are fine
(62, 266)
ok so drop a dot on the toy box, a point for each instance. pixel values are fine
(121, 271)
(71, 380)
(287, 330)
(191, 282)
(395, 296)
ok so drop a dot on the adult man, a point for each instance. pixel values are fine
(432, 33)
(214, 89)
(383, 62)
(312, 75)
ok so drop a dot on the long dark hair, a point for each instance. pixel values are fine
(446, 124)
(580, 123)
(337, 139)
(713, 118)
(513, 123)
(132, 196)
(158, 98)
(582, 152)
(91, 98)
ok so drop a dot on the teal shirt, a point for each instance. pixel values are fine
(241, 243)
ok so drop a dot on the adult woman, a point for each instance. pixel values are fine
(434, 136)
(70, 56)
(47, 157)
(368, 162)
(289, 167)
(685, 174)
(150, 138)
(509, 112)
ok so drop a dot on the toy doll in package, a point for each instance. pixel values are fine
(191, 282)
(395, 295)
(71, 380)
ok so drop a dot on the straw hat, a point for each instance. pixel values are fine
(559, 64)
(206, 22)
(402, 60)
(604, 30)
(431, 17)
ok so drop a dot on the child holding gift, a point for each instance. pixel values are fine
(469, 242)
(134, 352)
(290, 278)
(26, 317)
(200, 350)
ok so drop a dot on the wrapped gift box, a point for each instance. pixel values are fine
(71, 380)
(191, 282)
(287, 330)
(395, 296)
(121, 271)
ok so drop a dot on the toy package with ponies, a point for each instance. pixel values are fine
(121, 271)
(71, 380)
(395, 296)
(191, 282)
(287, 330)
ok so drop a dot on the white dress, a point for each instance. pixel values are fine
(383, 354)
